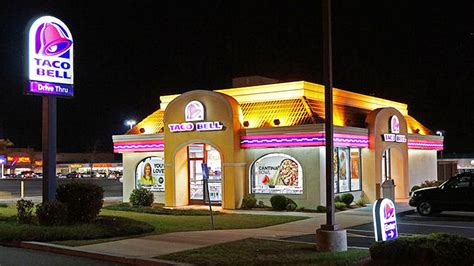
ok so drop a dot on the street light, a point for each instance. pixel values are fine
(130, 123)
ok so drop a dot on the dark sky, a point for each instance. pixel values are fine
(129, 53)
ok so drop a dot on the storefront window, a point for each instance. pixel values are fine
(347, 173)
(150, 174)
(276, 173)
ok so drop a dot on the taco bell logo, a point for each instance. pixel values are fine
(50, 57)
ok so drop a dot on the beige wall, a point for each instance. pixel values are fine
(422, 166)
(218, 107)
(130, 162)
(309, 159)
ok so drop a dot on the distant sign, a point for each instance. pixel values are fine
(50, 58)
(3, 159)
(385, 220)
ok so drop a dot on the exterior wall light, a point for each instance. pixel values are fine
(276, 122)
(246, 123)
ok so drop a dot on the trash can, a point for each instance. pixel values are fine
(388, 189)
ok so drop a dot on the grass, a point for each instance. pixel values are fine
(116, 224)
(266, 252)
(171, 223)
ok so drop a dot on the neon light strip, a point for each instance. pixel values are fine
(425, 145)
(131, 146)
(310, 139)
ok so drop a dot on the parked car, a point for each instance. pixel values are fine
(456, 194)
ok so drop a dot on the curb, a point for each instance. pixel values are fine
(70, 251)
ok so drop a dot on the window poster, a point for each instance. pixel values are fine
(355, 169)
(343, 169)
(150, 174)
(276, 174)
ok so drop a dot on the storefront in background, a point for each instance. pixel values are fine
(269, 139)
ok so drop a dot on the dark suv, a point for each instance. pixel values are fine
(456, 194)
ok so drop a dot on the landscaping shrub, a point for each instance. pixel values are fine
(347, 198)
(361, 202)
(337, 198)
(83, 200)
(51, 213)
(291, 207)
(340, 205)
(141, 197)
(278, 202)
(249, 202)
(290, 201)
(434, 249)
(321, 208)
(24, 210)
(261, 204)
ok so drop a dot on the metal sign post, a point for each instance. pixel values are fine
(205, 177)
(51, 75)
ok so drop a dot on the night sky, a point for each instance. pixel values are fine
(129, 53)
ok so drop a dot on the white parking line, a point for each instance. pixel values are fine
(438, 225)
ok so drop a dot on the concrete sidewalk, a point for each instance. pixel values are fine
(156, 245)
(147, 248)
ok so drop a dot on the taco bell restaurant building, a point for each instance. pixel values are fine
(269, 139)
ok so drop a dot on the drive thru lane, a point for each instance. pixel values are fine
(457, 223)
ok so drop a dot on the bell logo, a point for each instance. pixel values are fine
(50, 58)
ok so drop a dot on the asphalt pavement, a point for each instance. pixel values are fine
(362, 236)
(18, 257)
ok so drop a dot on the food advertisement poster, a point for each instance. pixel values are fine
(277, 174)
(150, 174)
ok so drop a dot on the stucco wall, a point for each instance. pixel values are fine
(309, 159)
(130, 162)
(422, 166)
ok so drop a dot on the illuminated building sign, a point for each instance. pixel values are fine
(394, 130)
(50, 58)
(101, 165)
(194, 111)
(394, 124)
(3, 160)
(385, 220)
(18, 159)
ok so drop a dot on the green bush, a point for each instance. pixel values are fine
(249, 202)
(24, 210)
(291, 207)
(347, 198)
(83, 200)
(434, 249)
(321, 208)
(340, 205)
(141, 197)
(337, 198)
(51, 213)
(361, 202)
(290, 201)
(261, 204)
(278, 202)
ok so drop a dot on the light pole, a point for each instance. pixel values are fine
(330, 237)
(130, 123)
(440, 133)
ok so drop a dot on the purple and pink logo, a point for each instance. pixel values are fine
(50, 58)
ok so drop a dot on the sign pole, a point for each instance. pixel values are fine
(329, 237)
(49, 148)
(205, 177)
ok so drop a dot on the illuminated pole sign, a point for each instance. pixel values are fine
(50, 58)
(385, 220)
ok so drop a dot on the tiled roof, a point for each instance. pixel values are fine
(291, 112)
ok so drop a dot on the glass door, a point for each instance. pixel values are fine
(197, 155)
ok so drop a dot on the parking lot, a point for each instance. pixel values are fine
(457, 223)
